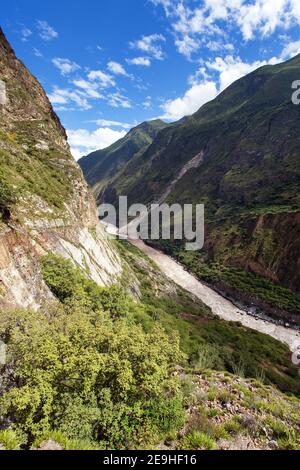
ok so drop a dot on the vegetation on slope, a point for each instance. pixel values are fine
(85, 369)
(98, 370)
(35, 161)
(231, 346)
(249, 178)
(100, 166)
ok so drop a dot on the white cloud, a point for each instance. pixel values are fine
(83, 142)
(108, 123)
(164, 3)
(105, 80)
(291, 50)
(117, 100)
(150, 45)
(145, 61)
(231, 69)
(147, 103)
(61, 98)
(90, 88)
(219, 46)
(65, 66)
(25, 34)
(263, 16)
(37, 52)
(192, 100)
(186, 45)
(116, 68)
(46, 31)
(258, 18)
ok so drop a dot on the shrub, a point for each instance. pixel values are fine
(70, 285)
(84, 369)
(233, 427)
(8, 198)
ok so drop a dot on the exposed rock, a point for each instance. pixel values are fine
(55, 211)
(50, 444)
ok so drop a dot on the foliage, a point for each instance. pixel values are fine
(69, 284)
(8, 197)
(88, 376)
(85, 369)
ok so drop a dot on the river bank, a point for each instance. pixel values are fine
(219, 305)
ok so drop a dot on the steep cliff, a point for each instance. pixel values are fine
(45, 204)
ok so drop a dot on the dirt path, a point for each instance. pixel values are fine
(220, 306)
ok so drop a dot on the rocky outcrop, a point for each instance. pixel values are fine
(51, 209)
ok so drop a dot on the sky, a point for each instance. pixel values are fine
(108, 65)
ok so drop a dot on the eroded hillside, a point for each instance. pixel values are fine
(45, 204)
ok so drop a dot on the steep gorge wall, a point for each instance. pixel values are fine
(51, 209)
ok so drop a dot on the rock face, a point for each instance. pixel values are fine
(45, 204)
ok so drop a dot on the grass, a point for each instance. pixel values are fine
(198, 441)
(65, 442)
(9, 439)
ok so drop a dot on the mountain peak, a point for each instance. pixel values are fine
(105, 162)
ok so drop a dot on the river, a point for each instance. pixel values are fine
(220, 306)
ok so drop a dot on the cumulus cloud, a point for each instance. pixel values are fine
(186, 45)
(89, 88)
(61, 98)
(203, 88)
(37, 52)
(116, 68)
(150, 45)
(46, 32)
(190, 102)
(108, 123)
(25, 34)
(145, 61)
(291, 49)
(193, 23)
(117, 100)
(103, 79)
(83, 142)
(65, 66)
(231, 69)
(147, 104)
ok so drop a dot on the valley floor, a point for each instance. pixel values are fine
(220, 306)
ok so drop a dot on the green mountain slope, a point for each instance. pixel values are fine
(248, 177)
(102, 165)
(89, 366)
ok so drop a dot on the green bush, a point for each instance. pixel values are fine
(8, 198)
(69, 284)
(84, 369)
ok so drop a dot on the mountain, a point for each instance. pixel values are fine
(89, 366)
(99, 167)
(246, 145)
(45, 204)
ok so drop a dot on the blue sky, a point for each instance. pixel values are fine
(107, 65)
